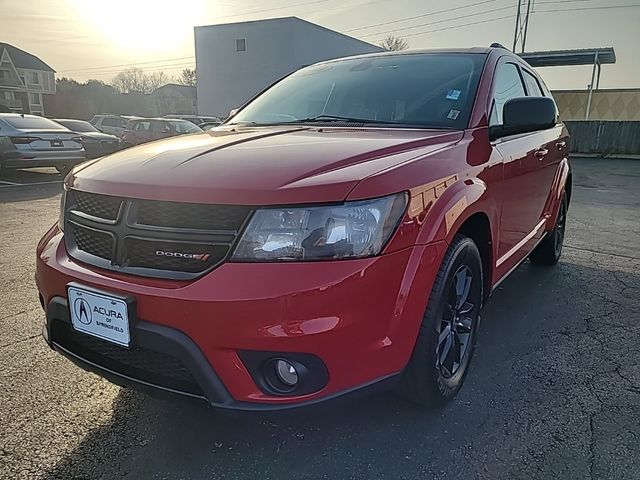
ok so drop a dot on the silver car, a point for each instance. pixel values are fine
(38, 142)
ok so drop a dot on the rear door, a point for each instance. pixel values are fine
(161, 129)
(554, 146)
(142, 131)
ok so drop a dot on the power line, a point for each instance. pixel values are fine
(607, 7)
(76, 70)
(441, 21)
(420, 16)
(458, 26)
(154, 68)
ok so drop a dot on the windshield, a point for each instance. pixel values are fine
(78, 125)
(419, 90)
(27, 122)
(183, 126)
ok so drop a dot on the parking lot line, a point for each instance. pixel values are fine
(12, 184)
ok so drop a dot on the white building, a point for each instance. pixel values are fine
(234, 61)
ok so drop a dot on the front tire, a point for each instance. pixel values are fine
(446, 340)
(550, 249)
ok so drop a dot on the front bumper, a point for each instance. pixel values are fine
(359, 317)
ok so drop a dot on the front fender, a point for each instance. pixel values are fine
(452, 207)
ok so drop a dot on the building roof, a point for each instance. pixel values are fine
(22, 59)
(558, 58)
(184, 90)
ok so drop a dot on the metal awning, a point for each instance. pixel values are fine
(587, 56)
(559, 58)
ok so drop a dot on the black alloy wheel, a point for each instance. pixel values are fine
(446, 340)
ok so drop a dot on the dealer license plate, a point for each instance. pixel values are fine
(101, 315)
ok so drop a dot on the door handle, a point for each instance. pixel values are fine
(541, 153)
(561, 144)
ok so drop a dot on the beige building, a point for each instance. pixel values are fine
(174, 98)
(610, 104)
(24, 79)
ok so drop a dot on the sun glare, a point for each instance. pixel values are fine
(142, 26)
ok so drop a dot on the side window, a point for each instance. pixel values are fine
(110, 122)
(142, 126)
(533, 87)
(508, 85)
(161, 127)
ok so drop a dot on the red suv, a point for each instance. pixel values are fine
(144, 130)
(341, 231)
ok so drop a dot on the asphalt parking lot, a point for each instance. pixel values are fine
(553, 393)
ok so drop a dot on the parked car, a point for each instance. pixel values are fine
(112, 124)
(96, 143)
(147, 129)
(195, 119)
(39, 142)
(342, 231)
(209, 125)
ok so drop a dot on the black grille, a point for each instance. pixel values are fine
(148, 237)
(173, 256)
(93, 242)
(158, 368)
(100, 206)
(191, 215)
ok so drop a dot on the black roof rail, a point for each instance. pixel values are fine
(497, 45)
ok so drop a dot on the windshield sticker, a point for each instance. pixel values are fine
(453, 94)
(453, 114)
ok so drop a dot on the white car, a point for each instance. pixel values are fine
(38, 142)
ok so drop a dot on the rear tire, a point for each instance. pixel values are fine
(444, 348)
(550, 249)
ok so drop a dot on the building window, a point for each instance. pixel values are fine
(8, 95)
(22, 79)
(241, 45)
(35, 78)
(34, 98)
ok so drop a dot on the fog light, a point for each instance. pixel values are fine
(287, 373)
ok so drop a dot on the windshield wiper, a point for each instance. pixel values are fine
(338, 118)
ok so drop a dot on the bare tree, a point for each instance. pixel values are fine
(134, 80)
(157, 79)
(188, 77)
(394, 44)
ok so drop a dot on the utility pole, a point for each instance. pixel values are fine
(515, 33)
(526, 25)
(522, 26)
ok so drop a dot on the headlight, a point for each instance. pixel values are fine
(63, 201)
(348, 230)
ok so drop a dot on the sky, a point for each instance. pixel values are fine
(85, 39)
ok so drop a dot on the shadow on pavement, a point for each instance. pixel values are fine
(29, 185)
(544, 369)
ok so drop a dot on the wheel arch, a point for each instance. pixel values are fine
(478, 228)
(466, 208)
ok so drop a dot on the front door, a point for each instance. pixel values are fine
(520, 205)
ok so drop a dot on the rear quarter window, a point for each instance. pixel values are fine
(533, 86)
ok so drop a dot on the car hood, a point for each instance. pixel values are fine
(257, 166)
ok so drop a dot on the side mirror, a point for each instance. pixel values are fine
(525, 114)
